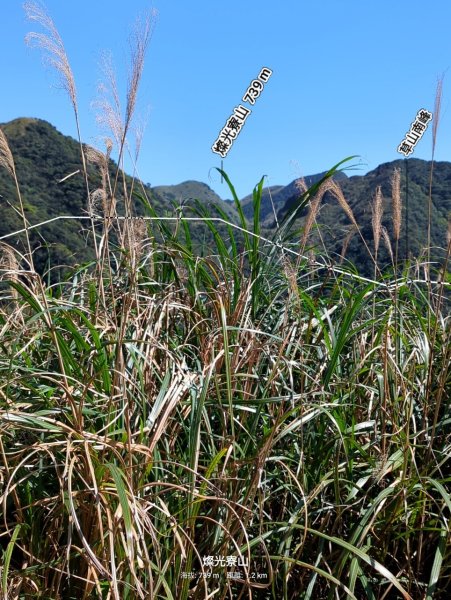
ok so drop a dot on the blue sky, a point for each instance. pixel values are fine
(348, 78)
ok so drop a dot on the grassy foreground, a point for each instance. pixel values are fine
(161, 408)
(238, 423)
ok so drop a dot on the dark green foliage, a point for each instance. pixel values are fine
(166, 406)
(43, 157)
(359, 192)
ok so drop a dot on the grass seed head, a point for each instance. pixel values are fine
(437, 108)
(139, 42)
(337, 192)
(387, 242)
(6, 157)
(397, 205)
(377, 210)
(8, 259)
(52, 44)
(313, 212)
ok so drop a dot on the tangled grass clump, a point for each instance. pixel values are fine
(241, 422)
(182, 409)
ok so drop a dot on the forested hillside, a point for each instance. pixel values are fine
(50, 175)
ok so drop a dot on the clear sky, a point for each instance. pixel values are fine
(348, 78)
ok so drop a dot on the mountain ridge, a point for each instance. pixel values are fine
(44, 157)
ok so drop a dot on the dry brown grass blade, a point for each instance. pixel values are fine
(178, 387)
(95, 561)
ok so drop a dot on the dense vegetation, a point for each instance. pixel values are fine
(334, 226)
(231, 419)
(50, 171)
(44, 158)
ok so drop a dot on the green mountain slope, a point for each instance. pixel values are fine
(44, 158)
(189, 191)
(333, 224)
(280, 196)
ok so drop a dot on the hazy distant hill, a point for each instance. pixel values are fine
(44, 157)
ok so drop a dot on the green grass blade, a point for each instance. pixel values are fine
(437, 564)
(7, 559)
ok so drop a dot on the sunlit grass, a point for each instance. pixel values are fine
(230, 405)
(169, 407)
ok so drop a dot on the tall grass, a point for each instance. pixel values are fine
(165, 411)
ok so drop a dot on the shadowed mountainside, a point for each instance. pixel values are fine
(50, 174)
(333, 224)
(44, 158)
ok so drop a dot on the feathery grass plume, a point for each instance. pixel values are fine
(313, 212)
(291, 274)
(346, 242)
(387, 242)
(435, 122)
(94, 156)
(53, 45)
(437, 109)
(397, 205)
(138, 130)
(139, 42)
(101, 161)
(109, 105)
(110, 109)
(377, 210)
(6, 157)
(8, 259)
(109, 112)
(9, 266)
(336, 191)
(108, 147)
(97, 200)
